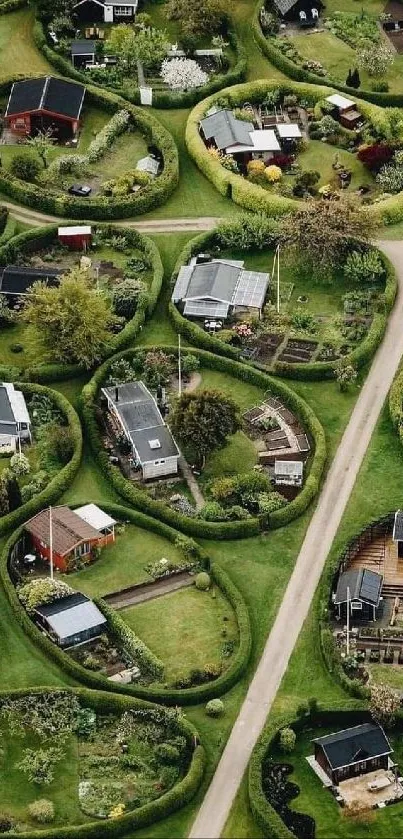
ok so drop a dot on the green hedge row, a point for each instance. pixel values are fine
(267, 819)
(168, 803)
(254, 197)
(396, 404)
(171, 696)
(145, 659)
(315, 370)
(161, 98)
(64, 478)
(294, 71)
(9, 231)
(195, 527)
(38, 237)
(152, 195)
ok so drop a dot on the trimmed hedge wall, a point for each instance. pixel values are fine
(264, 814)
(64, 478)
(161, 98)
(294, 71)
(195, 527)
(254, 197)
(153, 195)
(38, 237)
(314, 370)
(171, 696)
(148, 814)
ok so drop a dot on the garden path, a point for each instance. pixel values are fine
(139, 594)
(172, 225)
(319, 537)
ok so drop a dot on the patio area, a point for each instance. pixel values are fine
(374, 789)
(381, 555)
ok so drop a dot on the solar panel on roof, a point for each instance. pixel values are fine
(204, 309)
(182, 283)
(251, 289)
(371, 585)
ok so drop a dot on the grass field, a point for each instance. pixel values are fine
(122, 564)
(338, 57)
(17, 50)
(184, 629)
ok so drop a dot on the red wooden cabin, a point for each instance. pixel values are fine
(47, 103)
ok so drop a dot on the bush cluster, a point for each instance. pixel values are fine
(151, 196)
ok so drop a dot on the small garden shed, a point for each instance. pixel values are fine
(16, 280)
(344, 110)
(361, 589)
(15, 421)
(71, 620)
(110, 11)
(301, 10)
(354, 751)
(77, 237)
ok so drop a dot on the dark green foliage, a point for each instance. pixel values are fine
(25, 166)
(355, 80)
(60, 441)
(204, 420)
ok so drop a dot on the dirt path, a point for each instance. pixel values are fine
(134, 595)
(172, 225)
(297, 599)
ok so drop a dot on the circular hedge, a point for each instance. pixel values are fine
(150, 196)
(195, 527)
(167, 803)
(64, 477)
(299, 74)
(39, 237)
(168, 696)
(161, 98)
(314, 370)
(252, 196)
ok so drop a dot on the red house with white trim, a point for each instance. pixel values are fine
(47, 103)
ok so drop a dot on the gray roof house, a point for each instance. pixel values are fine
(362, 588)
(15, 421)
(138, 415)
(218, 288)
(236, 136)
(71, 620)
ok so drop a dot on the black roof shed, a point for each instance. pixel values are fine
(362, 742)
(56, 96)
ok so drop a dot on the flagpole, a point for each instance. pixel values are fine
(278, 279)
(50, 543)
(179, 366)
(348, 621)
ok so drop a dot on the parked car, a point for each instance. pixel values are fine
(82, 190)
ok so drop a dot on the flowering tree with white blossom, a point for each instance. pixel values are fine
(182, 74)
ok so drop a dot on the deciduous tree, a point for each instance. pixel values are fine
(70, 323)
(204, 420)
(198, 17)
(384, 704)
(318, 236)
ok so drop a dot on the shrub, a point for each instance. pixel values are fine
(25, 166)
(40, 591)
(167, 753)
(364, 267)
(7, 823)
(273, 173)
(19, 464)
(202, 581)
(42, 810)
(212, 511)
(189, 364)
(215, 708)
(375, 156)
(39, 766)
(182, 73)
(59, 442)
(126, 295)
(287, 740)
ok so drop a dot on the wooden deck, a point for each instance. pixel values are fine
(381, 556)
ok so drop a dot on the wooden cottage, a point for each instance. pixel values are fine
(76, 238)
(15, 422)
(16, 280)
(354, 751)
(45, 104)
(239, 138)
(358, 589)
(110, 11)
(75, 534)
(306, 12)
(344, 111)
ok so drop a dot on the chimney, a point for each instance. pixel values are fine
(116, 394)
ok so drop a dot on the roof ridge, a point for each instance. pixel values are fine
(44, 92)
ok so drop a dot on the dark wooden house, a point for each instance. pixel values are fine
(358, 589)
(16, 280)
(354, 751)
(71, 620)
(398, 532)
(45, 104)
(110, 11)
(305, 11)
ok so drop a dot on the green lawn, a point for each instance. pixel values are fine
(338, 57)
(122, 563)
(17, 50)
(17, 792)
(320, 157)
(184, 629)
